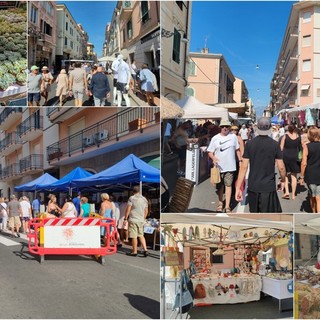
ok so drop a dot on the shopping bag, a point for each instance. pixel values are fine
(171, 258)
(200, 291)
(215, 175)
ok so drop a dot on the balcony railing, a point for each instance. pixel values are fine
(10, 139)
(31, 162)
(34, 122)
(7, 111)
(120, 124)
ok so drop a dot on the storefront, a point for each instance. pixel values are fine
(228, 259)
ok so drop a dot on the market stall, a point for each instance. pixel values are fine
(307, 267)
(229, 259)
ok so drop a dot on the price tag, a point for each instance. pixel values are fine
(148, 230)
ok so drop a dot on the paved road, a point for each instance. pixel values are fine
(77, 286)
(205, 199)
(54, 101)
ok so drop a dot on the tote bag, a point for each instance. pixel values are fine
(215, 175)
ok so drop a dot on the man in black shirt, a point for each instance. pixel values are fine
(262, 152)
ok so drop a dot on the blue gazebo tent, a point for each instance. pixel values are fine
(34, 185)
(66, 183)
(129, 170)
(275, 120)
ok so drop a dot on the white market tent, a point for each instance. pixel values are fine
(106, 59)
(195, 109)
(307, 224)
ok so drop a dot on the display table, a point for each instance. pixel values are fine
(231, 290)
(276, 288)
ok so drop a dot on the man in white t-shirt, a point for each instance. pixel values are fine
(223, 149)
(123, 81)
(114, 68)
(244, 133)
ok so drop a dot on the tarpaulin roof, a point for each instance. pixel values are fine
(67, 181)
(195, 109)
(130, 169)
(34, 185)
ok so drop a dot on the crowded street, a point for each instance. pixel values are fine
(77, 286)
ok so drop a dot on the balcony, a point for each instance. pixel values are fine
(107, 135)
(10, 172)
(9, 116)
(31, 164)
(126, 10)
(10, 143)
(31, 128)
(58, 114)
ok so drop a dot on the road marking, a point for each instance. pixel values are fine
(7, 242)
(137, 267)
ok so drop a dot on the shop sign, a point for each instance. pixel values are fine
(192, 165)
(150, 36)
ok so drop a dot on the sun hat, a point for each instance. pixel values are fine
(34, 68)
(225, 123)
(44, 68)
(264, 126)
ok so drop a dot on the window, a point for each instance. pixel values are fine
(176, 46)
(124, 35)
(67, 25)
(180, 4)
(33, 14)
(190, 92)
(192, 68)
(129, 29)
(306, 65)
(144, 11)
(71, 44)
(47, 29)
(306, 17)
(305, 89)
(306, 41)
(215, 258)
(71, 31)
(318, 92)
(65, 41)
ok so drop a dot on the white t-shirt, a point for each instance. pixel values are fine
(25, 206)
(224, 148)
(244, 133)
(123, 72)
(70, 212)
(4, 212)
(114, 68)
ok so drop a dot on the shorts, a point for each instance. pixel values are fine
(122, 87)
(115, 82)
(34, 96)
(314, 190)
(78, 94)
(135, 230)
(25, 218)
(226, 179)
(14, 222)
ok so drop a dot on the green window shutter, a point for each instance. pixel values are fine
(176, 46)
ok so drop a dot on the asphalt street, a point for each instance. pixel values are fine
(54, 101)
(77, 287)
(205, 199)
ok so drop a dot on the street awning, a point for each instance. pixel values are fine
(305, 87)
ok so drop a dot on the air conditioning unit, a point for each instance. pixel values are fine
(88, 141)
(103, 135)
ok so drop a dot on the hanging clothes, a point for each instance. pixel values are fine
(310, 117)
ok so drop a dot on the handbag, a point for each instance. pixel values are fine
(200, 291)
(299, 155)
(215, 175)
(185, 297)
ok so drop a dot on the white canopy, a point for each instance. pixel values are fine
(209, 219)
(195, 109)
(106, 58)
(307, 224)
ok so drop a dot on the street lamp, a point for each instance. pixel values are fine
(167, 34)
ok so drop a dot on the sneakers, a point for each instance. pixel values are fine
(17, 235)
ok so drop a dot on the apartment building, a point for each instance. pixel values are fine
(210, 79)
(296, 81)
(70, 38)
(175, 32)
(135, 32)
(42, 26)
(37, 140)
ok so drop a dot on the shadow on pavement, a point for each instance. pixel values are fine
(147, 306)
(53, 101)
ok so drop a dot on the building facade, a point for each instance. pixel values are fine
(175, 32)
(70, 38)
(296, 81)
(42, 24)
(37, 140)
(210, 79)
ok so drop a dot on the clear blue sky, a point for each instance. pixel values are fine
(94, 16)
(247, 33)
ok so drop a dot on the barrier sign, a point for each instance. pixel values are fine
(192, 165)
